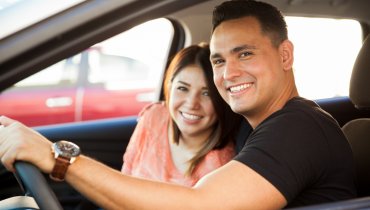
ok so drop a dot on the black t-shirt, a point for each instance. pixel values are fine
(302, 151)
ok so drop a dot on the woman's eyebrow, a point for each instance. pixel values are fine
(187, 84)
(184, 83)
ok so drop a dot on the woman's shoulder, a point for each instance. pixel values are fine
(215, 159)
(155, 107)
(154, 114)
(221, 156)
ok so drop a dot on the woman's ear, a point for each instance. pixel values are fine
(286, 51)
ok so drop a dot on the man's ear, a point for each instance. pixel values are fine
(286, 51)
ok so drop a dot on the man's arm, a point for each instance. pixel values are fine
(233, 186)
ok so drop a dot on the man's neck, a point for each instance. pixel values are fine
(258, 116)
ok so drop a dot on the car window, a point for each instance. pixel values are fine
(323, 60)
(120, 63)
(60, 74)
(114, 78)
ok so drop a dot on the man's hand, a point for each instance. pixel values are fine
(19, 142)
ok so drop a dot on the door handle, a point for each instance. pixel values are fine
(58, 102)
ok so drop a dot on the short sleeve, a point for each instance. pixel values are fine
(138, 137)
(281, 152)
(213, 160)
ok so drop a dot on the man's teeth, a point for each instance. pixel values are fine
(240, 87)
(190, 116)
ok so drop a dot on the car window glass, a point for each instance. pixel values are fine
(117, 72)
(121, 63)
(323, 61)
(114, 78)
(62, 73)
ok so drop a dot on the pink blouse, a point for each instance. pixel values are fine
(148, 153)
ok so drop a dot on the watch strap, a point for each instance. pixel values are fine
(60, 168)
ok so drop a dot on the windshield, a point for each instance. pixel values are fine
(18, 14)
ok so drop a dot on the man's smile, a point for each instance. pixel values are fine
(239, 88)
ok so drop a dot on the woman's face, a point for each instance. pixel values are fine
(190, 104)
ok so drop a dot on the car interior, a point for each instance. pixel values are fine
(90, 22)
(357, 130)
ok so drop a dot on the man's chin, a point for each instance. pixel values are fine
(237, 108)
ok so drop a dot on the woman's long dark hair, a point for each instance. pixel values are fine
(227, 121)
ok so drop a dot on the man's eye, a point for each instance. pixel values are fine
(217, 62)
(245, 54)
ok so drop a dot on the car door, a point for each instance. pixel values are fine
(112, 88)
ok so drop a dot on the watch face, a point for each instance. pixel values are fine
(67, 149)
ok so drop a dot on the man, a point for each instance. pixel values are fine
(296, 155)
(295, 145)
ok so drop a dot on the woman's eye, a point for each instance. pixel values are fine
(181, 88)
(205, 93)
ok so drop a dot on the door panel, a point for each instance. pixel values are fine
(103, 140)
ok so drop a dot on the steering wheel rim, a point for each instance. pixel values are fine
(34, 184)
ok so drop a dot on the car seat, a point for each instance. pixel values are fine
(357, 131)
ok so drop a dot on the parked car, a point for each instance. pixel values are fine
(324, 56)
(73, 90)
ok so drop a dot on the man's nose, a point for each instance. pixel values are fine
(231, 70)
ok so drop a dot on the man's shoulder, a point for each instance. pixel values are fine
(308, 109)
(299, 103)
(295, 111)
(303, 109)
(296, 116)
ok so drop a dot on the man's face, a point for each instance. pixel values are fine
(247, 68)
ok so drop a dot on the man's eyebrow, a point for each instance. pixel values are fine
(235, 50)
(215, 55)
(241, 48)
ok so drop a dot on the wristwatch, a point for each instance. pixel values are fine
(65, 153)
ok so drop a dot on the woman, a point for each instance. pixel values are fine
(191, 133)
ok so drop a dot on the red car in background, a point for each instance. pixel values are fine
(91, 85)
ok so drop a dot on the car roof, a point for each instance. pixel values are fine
(200, 18)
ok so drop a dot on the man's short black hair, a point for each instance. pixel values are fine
(270, 18)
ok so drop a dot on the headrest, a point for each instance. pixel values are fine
(359, 90)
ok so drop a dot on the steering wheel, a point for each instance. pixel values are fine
(34, 184)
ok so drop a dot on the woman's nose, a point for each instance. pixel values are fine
(193, 101)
